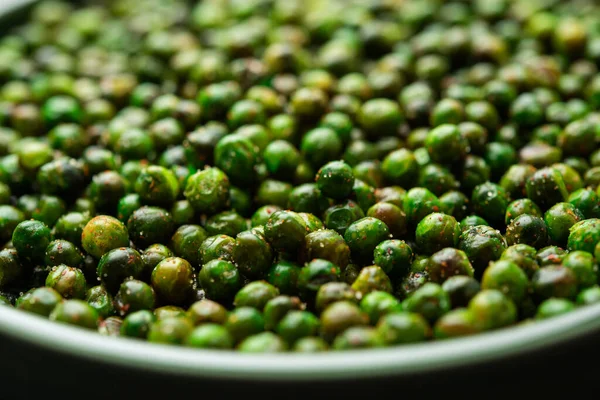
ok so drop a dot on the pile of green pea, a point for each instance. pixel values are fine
(291, 175)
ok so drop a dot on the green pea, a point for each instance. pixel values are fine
(173, 330)
(335, 180)
(75, 312)
(553, 307)
(584, 266)
(255, 294)
(445, 144)
(490, 201)
(278, 307)
(339, 316)
(400, 168)
(207, 312)
(546, 187)
(418, 203)
(102, 234)
(285, 230)
(329, 245)
(429, 300)
(252, 253)
(208, 190)
(586, 201)
(315, 274)
(118, 264)
(481, 244)
(554, 281)
(244, 322)
(148, 225)
(584, 235)
(437, 231)
(173, 280)
(590, 295)
(100, 300)
(491, 309)
(508, 278)
(210, 336)
(461, 289)
(524, 256)
(220, 279)
(157, 186)
(68, 281)
(455, 323)
(137, 324)
(340, 216)
(527, 229)
(40, 301)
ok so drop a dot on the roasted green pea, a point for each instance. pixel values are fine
(173, 330)
(252, 253)
(285, 230)
(584, 266)
(559, 219)
(30, 239)
(219, 279)
(68, 281)
(243, 322)
(418, 203)
(590, 295)
(586, 201)
(400, 168)
(137, 324)
(546, 187)
(481, 244)
(445, 144)
(554, 281)
(524, 256)
(339, 316)
(553, 307)
(207, 190)
(207, 312)
(461, 289)
(550, 255)
(210, 336)
(527, 229)
(75, 312)
(329, 245)
(340, 216)
(455, 203)
(278, 307)
(519, 207)
(584, 235)
(508, 278)
(255, 294)
(148, 225)
(490, 201)
(315, 274)
(117, 265)
(437, 231)
(492, 310)
(100, 300)
(102, 234)
(446, 263)
(173, 280)
(134, 295)
(39, 301)
(429, 300)
(364, 235)
(157, 186)
(456, 323)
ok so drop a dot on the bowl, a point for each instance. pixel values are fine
(73, 362)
